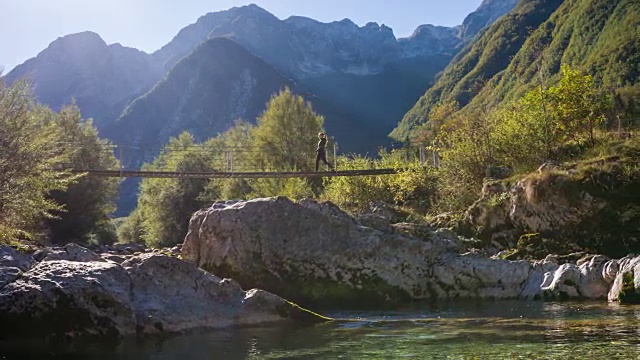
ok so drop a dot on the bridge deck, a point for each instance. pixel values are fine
(245, 175)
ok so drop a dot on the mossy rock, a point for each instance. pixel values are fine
(602, 191)
(628, 294)
(536, 247)
(360, 292)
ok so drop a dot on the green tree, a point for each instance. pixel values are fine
(166, 205)
(88, 202)
(413, 186)
(29, 156)
(286, 134)
(525, 134)
(578, 104)
(130, 229)
(234, 150)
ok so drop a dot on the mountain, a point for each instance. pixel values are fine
(303, 47)
(362, 78)
(101, 78)
(219, 82)
(486, 14)
(600, 37)
(362, 73)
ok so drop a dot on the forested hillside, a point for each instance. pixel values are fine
(526, 48)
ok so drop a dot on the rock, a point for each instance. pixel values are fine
(491, 188)
(10, 257)
(128, 248)
(485, 15)
(589, 280)
(147, 294)
(71, 252)
(327, 209)
(12, 264)
(8, 275)
(375, 221)
(170, 295)
(318, 256)
(577, 207)
(310, 253)
(59, 299)
(388, 212)
(475, 277)
(626, 286)
(418, 231)
(118, 259)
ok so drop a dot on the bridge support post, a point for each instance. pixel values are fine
(120, 159)
(335, 155)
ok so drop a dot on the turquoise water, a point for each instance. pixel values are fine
(512, 330)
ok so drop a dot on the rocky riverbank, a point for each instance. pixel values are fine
(312, 253)
(585, 206)
(72, 292)
(319, 256)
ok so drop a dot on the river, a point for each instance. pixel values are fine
(473, 330)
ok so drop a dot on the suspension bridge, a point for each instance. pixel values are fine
(228, 161)
(231, 175)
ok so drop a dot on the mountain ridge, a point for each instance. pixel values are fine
(337, 46)
(364, 78)
(77, 66)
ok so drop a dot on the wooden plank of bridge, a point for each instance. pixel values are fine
(228, 175)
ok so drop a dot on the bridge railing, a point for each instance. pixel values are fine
(231, 159)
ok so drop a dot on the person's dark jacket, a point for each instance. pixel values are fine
(321, 145)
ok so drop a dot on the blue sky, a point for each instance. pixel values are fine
(28, 26)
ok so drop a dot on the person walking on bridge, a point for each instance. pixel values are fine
(321, 152)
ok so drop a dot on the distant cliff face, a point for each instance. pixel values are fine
(303, 47)
(101, 78)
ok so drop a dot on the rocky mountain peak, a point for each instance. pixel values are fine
(76, 44)
(486, 14)
(253, 10)
(100, 77)
(83, 38)
(428, 30)
(430, 39)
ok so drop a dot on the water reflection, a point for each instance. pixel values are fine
(447, 331)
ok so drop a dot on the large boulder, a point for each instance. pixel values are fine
(309, 252)
(319, 256)
(61, 298)
(149, 293)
